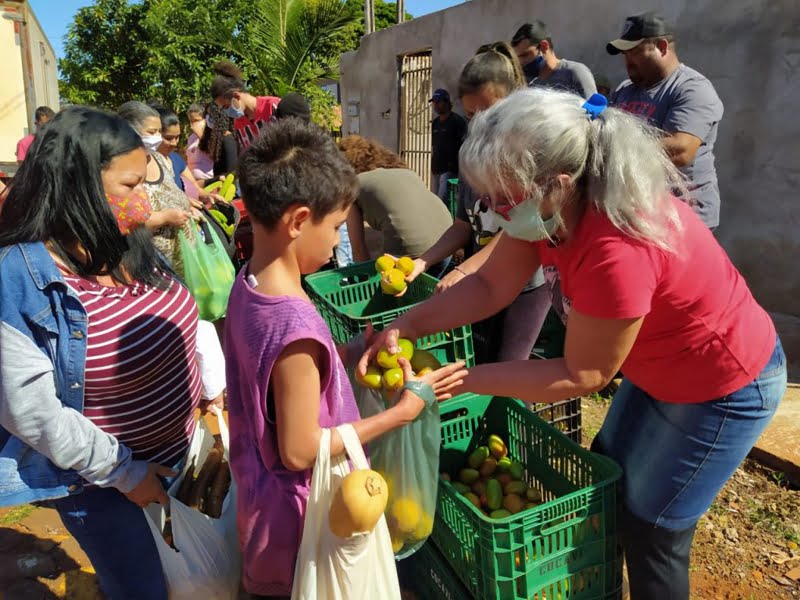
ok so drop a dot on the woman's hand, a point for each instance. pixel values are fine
(218, 402)
(150, 489)
(197, 203)
(449, 280)
(381, 339)
(175, 217)
(420, 266)
(444, 381)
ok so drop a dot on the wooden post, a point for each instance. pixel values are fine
(369, 16)
(401, 11)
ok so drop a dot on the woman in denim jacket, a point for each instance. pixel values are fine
(98, 375)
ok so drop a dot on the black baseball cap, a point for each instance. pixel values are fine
(533, 32)
(293, 105)
(638, 28)
(440, 95)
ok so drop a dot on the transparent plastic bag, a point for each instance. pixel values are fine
(408, 459)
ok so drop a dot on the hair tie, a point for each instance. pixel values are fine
(595, 105)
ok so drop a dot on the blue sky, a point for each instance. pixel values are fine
(56, 15)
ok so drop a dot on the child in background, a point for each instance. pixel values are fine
(286, 378)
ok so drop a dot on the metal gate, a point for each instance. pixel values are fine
(415, 113)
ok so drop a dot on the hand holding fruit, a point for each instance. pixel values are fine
(386, 339)
(395, 274)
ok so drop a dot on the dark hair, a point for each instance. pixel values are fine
(367, 155)
(294, 162)
(196, 108)
(58, 197)
(167, 116)
(493, 63)
(534, 33)
(221, 123)
(293, 105)
(136, 113)
(228, 79)
(43, 111)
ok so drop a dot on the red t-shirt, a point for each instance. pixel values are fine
(23, 146)
(247, 129)
(703, 335)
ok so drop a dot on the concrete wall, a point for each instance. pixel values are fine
(45, 65)
(749, 50)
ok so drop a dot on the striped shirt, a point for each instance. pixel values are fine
(142, 382)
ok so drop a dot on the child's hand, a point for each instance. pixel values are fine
(443, 381)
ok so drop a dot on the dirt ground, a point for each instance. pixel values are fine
(746, 547)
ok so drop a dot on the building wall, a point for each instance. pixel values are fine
(749, 50)
(45, 65)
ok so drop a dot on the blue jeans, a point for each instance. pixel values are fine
(344, 252)
(439, 184)
(675, 458)
(114, 534)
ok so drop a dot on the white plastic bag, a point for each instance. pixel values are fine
(206, 563)
(361, 567)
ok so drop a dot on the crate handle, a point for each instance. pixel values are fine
(455, 414)
(557, 525)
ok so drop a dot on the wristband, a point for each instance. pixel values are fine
(459, 270)
(421, 389)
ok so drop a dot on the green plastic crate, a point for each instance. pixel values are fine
(350, 297)
(452, 197)
(427, 576)
(564, 548)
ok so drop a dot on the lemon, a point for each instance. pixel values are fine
(384, 263)
(405, 514)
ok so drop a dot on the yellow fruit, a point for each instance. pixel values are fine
(424, 527)
(384, 263)
(497, 446)
(358, 503)
(405, 264)
(372, 378)
(389, 361)
(405, 515)
(424, 372)
(393, 379)
(393, 282)
(423, 359)
(397, 544)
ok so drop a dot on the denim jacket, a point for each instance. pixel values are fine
(47, 447)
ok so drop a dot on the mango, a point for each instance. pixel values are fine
(497, 446)
(504, 465)
(445, 476)
(488, 467)
(424, 372)
(460, 487)
(393, 282)
(424, 528)
(499, 514)
(530, 505)
(405, 514)
(479, 488)
(384, 263)
(405, 264)
(397, 544)
(480, 454)
(468, 476)
(476, 502)
(516, 487)
(371, 379)
(533, 495)
(423, 359)
(494, 494)
(513, 503)
(393, 379)
(504, 479)
(516, 470)
(387, 360)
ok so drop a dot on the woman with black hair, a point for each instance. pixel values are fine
(160, 185)
(250, 113)
(99, 378)
(219, 142)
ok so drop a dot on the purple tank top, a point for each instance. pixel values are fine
(271, 499)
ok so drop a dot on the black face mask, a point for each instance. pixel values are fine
(532, 69)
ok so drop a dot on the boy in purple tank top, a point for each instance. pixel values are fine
(286, 379)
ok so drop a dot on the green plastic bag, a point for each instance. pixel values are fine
(208, 271)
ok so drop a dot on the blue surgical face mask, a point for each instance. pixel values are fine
(526, 223)
(234, 112)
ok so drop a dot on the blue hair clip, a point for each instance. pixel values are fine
(595, 105)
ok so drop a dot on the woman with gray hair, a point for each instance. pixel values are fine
(172, 209)
(587, 192)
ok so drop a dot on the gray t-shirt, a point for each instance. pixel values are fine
(485, 224)
(683, 102)
(569, 76)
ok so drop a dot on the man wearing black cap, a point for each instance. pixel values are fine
(676, 99)
(449, 130)
(293, 105)
(534, 48)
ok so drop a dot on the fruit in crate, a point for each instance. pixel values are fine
(372, 379)
(497, 446)
(480, 454)
(422, 359)
(405, 265)
(387, 360)
(393, 282)
(393, 379)
(384, 263)
(358, 503)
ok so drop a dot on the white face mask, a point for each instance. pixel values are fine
(152, 142)
(526, 223)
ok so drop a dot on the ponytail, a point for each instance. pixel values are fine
(492, 64)
(228, 79)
